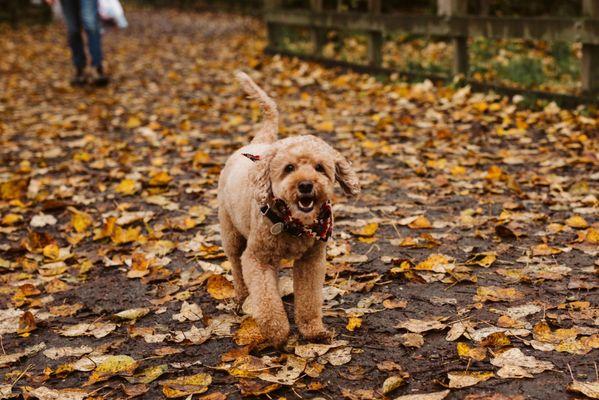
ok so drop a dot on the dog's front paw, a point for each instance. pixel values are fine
(316, 332)
(275, 331)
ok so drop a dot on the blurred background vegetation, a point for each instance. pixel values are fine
(514, 63)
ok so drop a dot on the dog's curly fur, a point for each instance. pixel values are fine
(254, 252)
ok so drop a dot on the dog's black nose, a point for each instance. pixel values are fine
(305, 187)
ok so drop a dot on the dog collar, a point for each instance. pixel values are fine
(279, 214)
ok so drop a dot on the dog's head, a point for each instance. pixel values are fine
(302, 171)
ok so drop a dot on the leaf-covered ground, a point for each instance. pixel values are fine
(467, 269)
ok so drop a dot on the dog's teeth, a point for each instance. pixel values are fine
(305, 206)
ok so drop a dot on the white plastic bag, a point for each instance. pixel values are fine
(112, 10)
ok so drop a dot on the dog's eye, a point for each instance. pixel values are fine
(319, 168)
(289, 168)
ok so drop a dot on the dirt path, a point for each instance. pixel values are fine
(476, 236)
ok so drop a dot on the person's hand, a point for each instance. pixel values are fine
(50, 2)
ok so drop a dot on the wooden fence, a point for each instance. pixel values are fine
(451, 21)
(17, 12)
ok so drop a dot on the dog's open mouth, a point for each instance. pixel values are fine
(305, 204)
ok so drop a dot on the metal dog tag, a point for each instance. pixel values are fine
(276, 228)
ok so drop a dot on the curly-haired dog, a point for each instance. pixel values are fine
(274, 203)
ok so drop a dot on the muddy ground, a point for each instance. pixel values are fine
(419, 150)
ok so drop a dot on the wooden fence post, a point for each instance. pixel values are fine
(375, 38)
(318, 35)
(460, 57)
(590, 53)
(273, 32)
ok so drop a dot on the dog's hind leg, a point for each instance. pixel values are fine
(234, 245)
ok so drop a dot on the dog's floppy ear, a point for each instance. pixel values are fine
(346, 176)
(260, 178)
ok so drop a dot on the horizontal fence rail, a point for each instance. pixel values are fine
(549, 29)
(451, 22)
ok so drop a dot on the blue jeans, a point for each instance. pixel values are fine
(83, 14)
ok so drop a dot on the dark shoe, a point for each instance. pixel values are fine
(100, 79)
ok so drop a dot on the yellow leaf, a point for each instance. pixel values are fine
(494, 293)
(496, 340)
(11, 219)
(248, 333)
(494, 173)
(592, 236)
(483, 259)
(458, 170)
(421, 222)
(186, 385)
(120, 235)
(81, 221)
(475, 353)
(201, 158)
(542, 332)
(148, 375)
(51, 251)
(544, 250)
(435, 262)
(576, 221)
(367, 230)
(111, 366)
(139, 266)
(481, 106)
(353, 323)
(160, 178)
(127, 187)
(325, 126)
(13, 189)
(185, 125)
(220, 288)
(133, 122)
(462, 379)
(248, 367)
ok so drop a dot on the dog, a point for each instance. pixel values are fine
(274, 199)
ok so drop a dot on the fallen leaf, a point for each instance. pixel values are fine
(425, 396)
(132, 314)
(589, 389)
(392, 383)
(189, 312)
(462, 379)
(248, 333)
(353, 323)
(419, 325)
(111, 366)
(494, 293)
(148, 375)
(6, 359)
(44, 393)
(54, 353)
(515, 364)
(186, 385)
(220, 288)
(41, 220)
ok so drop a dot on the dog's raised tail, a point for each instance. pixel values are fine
(270, 123)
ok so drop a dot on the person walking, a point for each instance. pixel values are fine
(80, 14)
